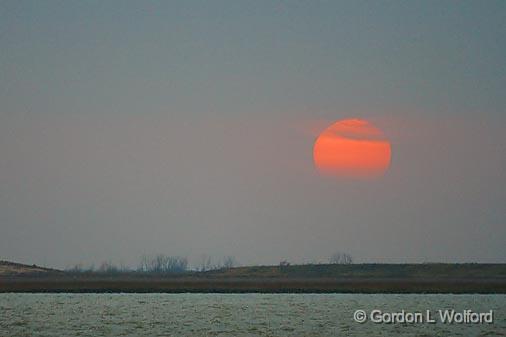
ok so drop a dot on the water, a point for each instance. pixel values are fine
(234, 314)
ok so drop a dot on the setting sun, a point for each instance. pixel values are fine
(352, 148)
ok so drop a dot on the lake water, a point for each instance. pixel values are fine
(237, 314)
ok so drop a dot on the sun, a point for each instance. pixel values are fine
(352, 148)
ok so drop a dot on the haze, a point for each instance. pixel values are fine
(187, 128)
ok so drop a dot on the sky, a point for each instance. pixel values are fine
(187, 128)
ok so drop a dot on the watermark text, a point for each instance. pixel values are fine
(445, 316)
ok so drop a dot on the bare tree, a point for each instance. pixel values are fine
(144, 264)
(80, 269)
(77, 268)
(163, 264)
(284, 263)
(176, 264)
(90, 268)
(108, 267)
(341, 258)
(206, 263)
(229, 262)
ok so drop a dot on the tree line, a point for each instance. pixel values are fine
(159, 264)
(167, 264)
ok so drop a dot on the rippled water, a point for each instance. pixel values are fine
(234, 314)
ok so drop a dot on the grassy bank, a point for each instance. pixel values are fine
(355, 278)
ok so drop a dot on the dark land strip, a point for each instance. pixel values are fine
(200, 285)
(321, 278)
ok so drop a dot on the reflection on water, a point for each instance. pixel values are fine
(234, 314)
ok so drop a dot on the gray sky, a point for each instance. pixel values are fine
(186, 128)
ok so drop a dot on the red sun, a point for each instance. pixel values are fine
(352, 148)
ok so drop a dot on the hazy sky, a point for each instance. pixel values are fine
(186, 128)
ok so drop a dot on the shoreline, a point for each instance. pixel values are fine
(193, 285)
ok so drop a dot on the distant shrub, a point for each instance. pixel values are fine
(163, 264)
(284, 263)
(341, 258)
